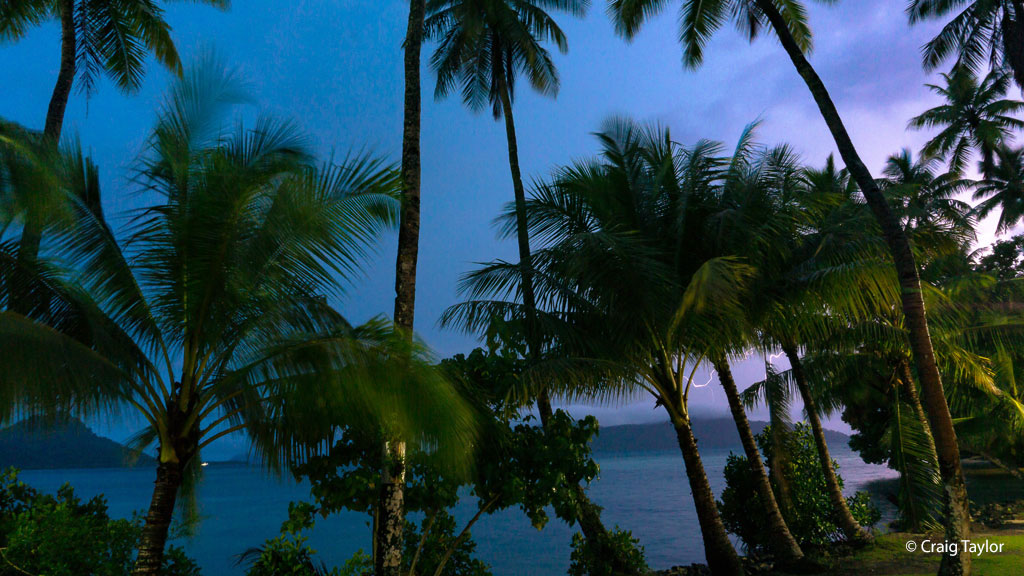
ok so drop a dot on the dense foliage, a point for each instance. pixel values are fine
(588, 560)
(62, 535)
(810, 516)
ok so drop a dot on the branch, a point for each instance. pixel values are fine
(423, 540)
(462, 535)
(3, 554)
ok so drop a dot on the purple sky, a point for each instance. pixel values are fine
(336, 68)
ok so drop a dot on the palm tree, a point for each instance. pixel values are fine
(483, 46)
(866, 366)
(97, 37)
(752, 213)
(771, 223)
(634, 297)
(212, 317)
(975, 116)
(983, 33)
(830, 280)
(1003, 189)
(390, 515)
(926, 204)
(699, 20)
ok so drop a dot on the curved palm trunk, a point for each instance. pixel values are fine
(158, 520)
(718, 549)
(588, 513)
(847, 523)
(391, 500)
(66, 75)
(522, 229)
(32, 233)
(781, 540)
(955, 503)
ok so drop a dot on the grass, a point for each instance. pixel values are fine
(888, 556)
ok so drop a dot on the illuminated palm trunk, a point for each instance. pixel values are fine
(718, 549)
(844, 517)
(954, 490)
(780, 538)
(391, 499)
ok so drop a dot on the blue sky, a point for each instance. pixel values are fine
(336, 68)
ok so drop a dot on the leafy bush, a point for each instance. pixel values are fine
(811, 517)
(360, 564)
(516, 464)
(588, 561)
(285, 555)
(60, 535)
(289, 555)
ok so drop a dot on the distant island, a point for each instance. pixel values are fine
(37, 444)
(712, 432)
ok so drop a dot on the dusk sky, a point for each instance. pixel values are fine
(336, 68)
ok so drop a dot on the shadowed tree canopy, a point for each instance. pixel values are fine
(981, 34)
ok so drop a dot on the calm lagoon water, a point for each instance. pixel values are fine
(243, 506)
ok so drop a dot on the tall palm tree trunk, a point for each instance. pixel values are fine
(391, 499)
(955, 503)
(588, 513)
(522, 228)
(391, 510)
(718, 549)
(32, 233)
(66, 75)
(782, 542)
(847, 523)
(158, 520)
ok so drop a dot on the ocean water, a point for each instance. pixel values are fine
(241, 507)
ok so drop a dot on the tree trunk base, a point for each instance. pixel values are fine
(158, 520)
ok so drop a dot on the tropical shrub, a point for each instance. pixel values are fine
(285, 555)
(590, 560)
(810, 518)
(516, 464)
(62, 535)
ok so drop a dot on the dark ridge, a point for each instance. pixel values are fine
(36, 443)
(711, 432)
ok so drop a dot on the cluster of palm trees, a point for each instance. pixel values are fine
(211, 315)
(656, 259)
(630, 289)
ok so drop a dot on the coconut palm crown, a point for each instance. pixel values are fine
(976, 116)
(212, 317)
